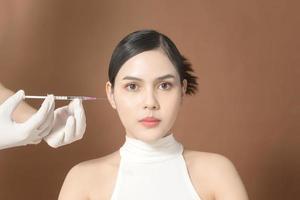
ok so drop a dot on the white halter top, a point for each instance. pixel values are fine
(153, 171)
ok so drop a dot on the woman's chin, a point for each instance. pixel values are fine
(148, 136)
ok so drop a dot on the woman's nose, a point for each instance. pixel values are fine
(151, 102)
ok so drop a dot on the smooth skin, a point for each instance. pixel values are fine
(139, 91)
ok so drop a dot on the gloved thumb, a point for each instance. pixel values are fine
(74, 105)
(12, 102)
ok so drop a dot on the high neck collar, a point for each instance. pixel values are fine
(134, 150)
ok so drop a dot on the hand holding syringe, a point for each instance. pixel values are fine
(84, 98)
(57, 127)
(69, 122)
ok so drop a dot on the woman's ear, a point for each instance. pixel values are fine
(183, 90)
(110, 94)
(184, 86)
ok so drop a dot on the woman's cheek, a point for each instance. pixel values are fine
(172, 109)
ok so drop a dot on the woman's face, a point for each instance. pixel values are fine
(147, 85)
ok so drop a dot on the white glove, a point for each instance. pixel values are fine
(32, 131)
(69, 125)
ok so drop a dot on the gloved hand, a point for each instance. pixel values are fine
(32, 131)
(69, 125)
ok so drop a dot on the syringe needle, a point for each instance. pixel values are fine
(84, 98)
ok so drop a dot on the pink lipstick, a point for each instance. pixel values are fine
(150, 121)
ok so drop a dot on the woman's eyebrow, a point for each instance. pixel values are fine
(159, 78)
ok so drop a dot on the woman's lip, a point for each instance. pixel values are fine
(150, 124)
(149, 119)
(152, 120)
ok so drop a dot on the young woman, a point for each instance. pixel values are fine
(148, 79)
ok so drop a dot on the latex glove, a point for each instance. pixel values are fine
(32, 131)
(69, 125)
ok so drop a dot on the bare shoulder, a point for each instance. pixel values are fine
(207, 160)
(100, 165)
(92, 179)
(214, 176)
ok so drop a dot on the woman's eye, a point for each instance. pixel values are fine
(131, 86)
(166, 85)
(134, 87)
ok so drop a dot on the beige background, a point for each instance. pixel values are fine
(246, 54)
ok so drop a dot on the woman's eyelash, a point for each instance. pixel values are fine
(136, 85)
(167, 83)
(129, 84)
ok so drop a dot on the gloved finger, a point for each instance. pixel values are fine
(55, 139)
(46, 130)
(72, 106)
(62, 113)
(80, 118)
(36, 141)
(47, 125)
(40, 116)
(69, 130)
(12, 102)
(52, 102)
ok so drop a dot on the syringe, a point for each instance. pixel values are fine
(84, 98)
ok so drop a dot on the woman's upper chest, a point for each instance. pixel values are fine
(103, 183)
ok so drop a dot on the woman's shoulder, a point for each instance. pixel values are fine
(107, 162)
(91, 178)
(208, 163)
(215, 174)
(203, 158)
(102, 167)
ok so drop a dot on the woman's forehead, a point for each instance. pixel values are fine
(148, 65)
